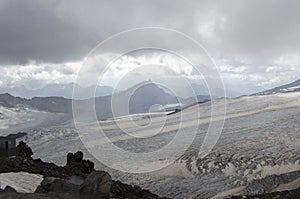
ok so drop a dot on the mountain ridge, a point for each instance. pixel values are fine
(59, 90)
(290, 87)
(140, 100)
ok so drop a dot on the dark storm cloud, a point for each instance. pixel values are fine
(33, 30)
(61, 31)
(58, 31)
(259, 31)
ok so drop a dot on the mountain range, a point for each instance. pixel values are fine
(291, 87)
(257, 153)
(140, 98)
(58, 90)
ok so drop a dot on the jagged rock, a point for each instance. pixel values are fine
(78, 179)
(73, 158)
(77, 166)
(120, 190)
(96, 185)
(23, 151)
(45, 186)
(59, 185)
(9, 189)
(75, 161)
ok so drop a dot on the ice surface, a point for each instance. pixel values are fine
(261, 137)
(21, 181)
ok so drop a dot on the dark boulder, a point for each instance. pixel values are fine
(9, 189)
(96, 185)
(73, 158)
(78, 179)
(46, 185)
(69, 185)
(76, 163)
(23, 151)
(121, 190)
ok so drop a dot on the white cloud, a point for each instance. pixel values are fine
(37, 75)
(151, 63)
(232, 69)
(135, 67)
(291, 59)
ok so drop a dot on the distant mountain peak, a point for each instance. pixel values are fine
(6, 94)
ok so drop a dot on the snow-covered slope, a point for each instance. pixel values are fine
(261, 137)
(21, 181)
(292, 87)
(16, 119)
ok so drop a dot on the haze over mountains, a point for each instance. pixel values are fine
(66, 90)
(57, 90)
(257, 153)
(232, 89)
(140, 98)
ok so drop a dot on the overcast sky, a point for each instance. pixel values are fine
(254, 43)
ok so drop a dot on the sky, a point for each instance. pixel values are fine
(254, 43)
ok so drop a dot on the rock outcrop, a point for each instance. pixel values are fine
(77, 179)
(96, 184)
(23, 151)
(77, 163)
(8, 189)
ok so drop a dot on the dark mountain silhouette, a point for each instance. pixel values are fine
(7, 100)
(139, 99)
(151, 95)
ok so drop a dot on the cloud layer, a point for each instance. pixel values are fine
(252, 41)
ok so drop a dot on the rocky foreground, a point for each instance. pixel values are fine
(77, 179)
